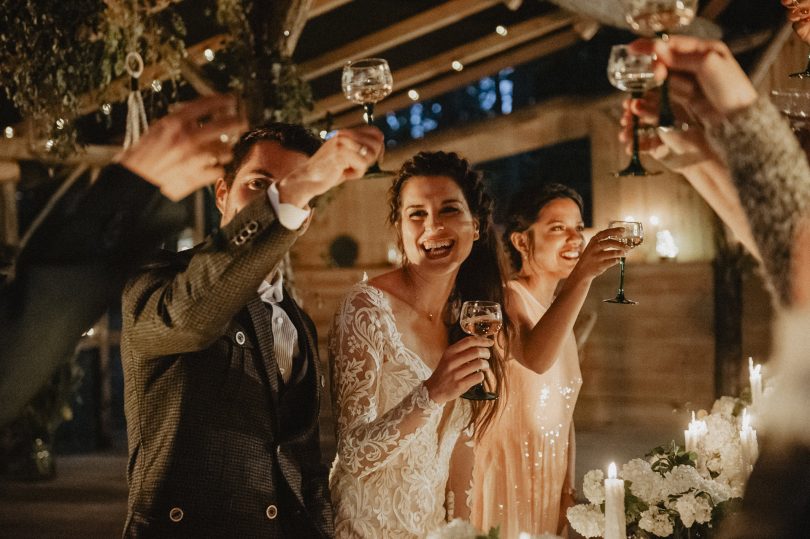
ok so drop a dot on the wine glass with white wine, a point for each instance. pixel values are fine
(660, 18)
(366, 82)
(631, 237)
(484, 319)
(632, 73)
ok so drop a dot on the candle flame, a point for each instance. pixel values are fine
(746, 420)
(693, 415)
(753, 369)
(612, 471)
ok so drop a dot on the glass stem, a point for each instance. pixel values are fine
(620, 292)
(634, 158)
(665, 116)
(369, 108)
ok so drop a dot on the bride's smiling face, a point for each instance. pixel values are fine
(436, 225)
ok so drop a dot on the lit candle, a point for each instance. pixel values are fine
(695, 433)
(755, 378)
(615, 524)
(748, 442)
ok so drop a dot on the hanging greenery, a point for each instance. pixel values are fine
(57, 56)
(268, 81)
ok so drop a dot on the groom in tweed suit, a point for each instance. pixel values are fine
(221, 371)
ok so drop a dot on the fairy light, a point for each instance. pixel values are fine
(157, 85)
(49, 144)
(323, 134)
(501, 30)
(60, 123)
(456, 65)
(106, 109)
(413, 94)
(9, 132)
(655, 220)
(209, 55)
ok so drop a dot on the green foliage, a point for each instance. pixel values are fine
(665, 459)
(53, 53)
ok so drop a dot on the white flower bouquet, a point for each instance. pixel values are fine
(672, 492)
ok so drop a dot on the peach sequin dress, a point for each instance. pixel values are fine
(521, 462)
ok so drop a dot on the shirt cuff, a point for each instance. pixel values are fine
(291, 217)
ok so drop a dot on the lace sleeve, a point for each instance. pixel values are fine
(358, 345)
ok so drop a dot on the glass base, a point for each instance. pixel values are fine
(478, 393)
(635, 169)
(620, 299)
(374, 171)
(800, 75)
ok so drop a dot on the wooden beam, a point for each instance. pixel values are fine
(770, 55)
(424, 23)
(552, 121)
(18, 149)
(467, 54)
(434, 88)
(287, 21)
(319, 7)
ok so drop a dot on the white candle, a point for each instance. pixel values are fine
(755, 378)
(695, 433)
(748, 442)
(615, 524)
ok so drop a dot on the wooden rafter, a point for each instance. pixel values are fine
(556, 120)
(436, 87)
(319, 7)
(18, 149)
(425, 22)
(467, 54)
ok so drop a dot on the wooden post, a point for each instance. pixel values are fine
(9, 228)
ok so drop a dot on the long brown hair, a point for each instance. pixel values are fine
(481, 275)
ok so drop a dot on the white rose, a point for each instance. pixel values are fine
(587, 520)
(593, 485)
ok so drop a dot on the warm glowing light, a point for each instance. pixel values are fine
(323, 133)
(106, 108)
(612, 471)
(458, 66)
(413, 94)
(655, 220)
(157, 85)
(501, 30)
(9, 131)
(665, 244)
(209, 55)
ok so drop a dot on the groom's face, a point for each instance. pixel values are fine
(266, 162)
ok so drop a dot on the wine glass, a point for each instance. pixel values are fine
(632, 73)
(482, 318)
(632, 236)
(660, 17)
(366, 82)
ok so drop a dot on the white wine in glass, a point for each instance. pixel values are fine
(632, 236)
(484, 319)
(367, 82)
(631, 72)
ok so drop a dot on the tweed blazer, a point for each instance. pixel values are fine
(219, 446)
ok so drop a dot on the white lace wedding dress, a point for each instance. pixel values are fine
(394, 443)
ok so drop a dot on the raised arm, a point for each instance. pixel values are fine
(538, 344)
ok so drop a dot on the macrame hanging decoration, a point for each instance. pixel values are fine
(136, 115)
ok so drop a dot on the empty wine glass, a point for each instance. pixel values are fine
(660, 17)
(366, 82)
(632, 73)
(484, 319)
(632, 236)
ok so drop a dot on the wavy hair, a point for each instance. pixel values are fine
(481, 275)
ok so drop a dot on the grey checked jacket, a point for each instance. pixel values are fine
(219, 446)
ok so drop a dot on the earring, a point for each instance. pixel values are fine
(476, 235)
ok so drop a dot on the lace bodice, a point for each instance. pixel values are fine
(394, 443)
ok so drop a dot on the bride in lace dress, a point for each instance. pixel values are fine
(399, 362)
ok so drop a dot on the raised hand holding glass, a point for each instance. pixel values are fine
(366, 82)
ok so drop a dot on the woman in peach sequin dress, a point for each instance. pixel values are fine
(523, 473)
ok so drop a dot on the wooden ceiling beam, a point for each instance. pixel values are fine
(18, 149)
(556, 120)
(519, 55)
(409, 29)
(467, 54)
(319, 7)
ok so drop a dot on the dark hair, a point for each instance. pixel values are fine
(524, 209)
(290, 136)
(482, 274)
